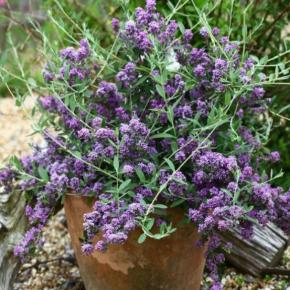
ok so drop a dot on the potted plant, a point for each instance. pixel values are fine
(154, 146)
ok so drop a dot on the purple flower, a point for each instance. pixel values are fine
(74, 183)
(105, 133)
(122, 114)
(108, 93)
(203, 32)
(258, 92)
(199, 71)
(130, 27)
(240, 113)
(48, 76)
(215, 31)
(137, 127)
(48, 103)
(84, 134)
(274, 156)
(150, 5)
(76, 55)
(87, 249)
(97, 187)
(127, 75)
(116, 238)
(97, 122)
(187, 36)
(154, 27)
(128, 169)
(220, 64)
(115, 25)
(101, 246)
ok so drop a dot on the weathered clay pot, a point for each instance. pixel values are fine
(173, 263)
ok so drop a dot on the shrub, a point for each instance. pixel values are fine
(151, 124)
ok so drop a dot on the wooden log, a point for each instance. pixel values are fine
(12, 227)
(262, 252)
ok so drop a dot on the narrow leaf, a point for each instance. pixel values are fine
(140, 174)
(116, 163)
(124, 184)
(43, 173)
(142, 239)
(170, 164)
(160, 91)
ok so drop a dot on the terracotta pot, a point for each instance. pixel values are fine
(173, 263)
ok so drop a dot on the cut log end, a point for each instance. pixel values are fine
(265, 250)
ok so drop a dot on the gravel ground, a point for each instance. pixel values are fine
(54, 266)
(15, 128)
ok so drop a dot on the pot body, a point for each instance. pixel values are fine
(172, 263)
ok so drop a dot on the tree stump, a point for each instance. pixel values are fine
(262, 252)
(12, 226)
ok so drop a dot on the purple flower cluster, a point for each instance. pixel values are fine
(212, 168)
(147, 22)
(114, 220)
(127, 75)
(174, 85)
(30, 237)
(134, 142)
(76, 55)
(38, 217)
(282, 205)
(177, 183)
(73, 69)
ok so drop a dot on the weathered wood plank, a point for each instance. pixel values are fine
(263, 251)
(12, 226)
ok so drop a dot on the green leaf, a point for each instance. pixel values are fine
(162, 206)
(140, 81)
(245, 32)
(32, 82)
(181, 27)
(236, 196)
(116, 163)
(174, 146)
(248, 208)
(170, 115)
(149, 224)
(131, 193)
(171, 6)
(43, 173)
(227, 192)
(124, 184)
(72, 104)
(163, 135)
(142, 238)
(170, 164)
(158, 79)
(160, 91)
(281, 66)
(14, 161)
(77, 154)
(227, 98)
(162, 228)
(67, 100)
(177, 203)
(140, 174)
